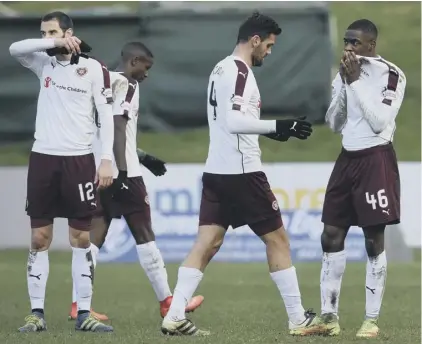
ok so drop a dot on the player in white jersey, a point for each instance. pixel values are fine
(128, 196)
(61, 173)
(235, 189)
(364, 187)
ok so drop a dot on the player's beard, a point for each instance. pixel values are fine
(256, 61)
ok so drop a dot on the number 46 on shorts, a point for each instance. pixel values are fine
(380, 199)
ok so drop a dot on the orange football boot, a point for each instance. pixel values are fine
(193, 304)
(74, 313)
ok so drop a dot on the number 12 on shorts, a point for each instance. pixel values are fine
(381, 199)
(86, 191)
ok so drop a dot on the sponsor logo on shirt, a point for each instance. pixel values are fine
(49, 82)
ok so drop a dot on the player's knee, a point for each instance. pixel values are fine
(209, 240)
(277, 240)
(41, 238)
(141, 228)
(332, 239)
(374, 240)
(99, 230)
(79, 238)
(143, 234)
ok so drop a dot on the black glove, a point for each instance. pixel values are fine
(277, 137)
(85, 48)
(298, 128)
(156, 166)
(119, 184)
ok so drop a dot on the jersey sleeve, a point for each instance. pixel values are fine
(103, 98)
(380, 105)
(336, 115)
(30, 54)
(101, 85)
(123, 94)
(239, 88)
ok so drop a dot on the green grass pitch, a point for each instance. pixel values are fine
(242, 305)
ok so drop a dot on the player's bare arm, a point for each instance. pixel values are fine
(119, 147)
(378, 112)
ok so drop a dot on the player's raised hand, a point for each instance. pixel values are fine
(352, 67)
(298, 128)
(71, 44)
(104, 175)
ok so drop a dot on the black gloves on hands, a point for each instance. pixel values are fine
(119, 184)
(286, 128)
(277, 137)
(156, 166)
(85, 48)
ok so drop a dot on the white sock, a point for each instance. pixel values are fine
(333, 266)
(83, 275)
(188, 280)
(94, 251)
(287, 284)
(153, 265)
(376, 274)
(37, 274)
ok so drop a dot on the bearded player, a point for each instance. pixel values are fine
(235, 190)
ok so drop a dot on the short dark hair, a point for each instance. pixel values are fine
(366, 26)
(257, 24)
(133, 49)
(65, 22)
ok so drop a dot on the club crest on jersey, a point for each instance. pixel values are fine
(146, 199)
(275, 205)
(81, 71)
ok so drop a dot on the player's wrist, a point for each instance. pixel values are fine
(122, 174)
(272, 126)
(106, 159)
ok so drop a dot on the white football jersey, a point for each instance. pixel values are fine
(378, 92)
(232, 89)
(125, 103)
(66, 102)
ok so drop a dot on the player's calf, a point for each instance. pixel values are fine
(332, 238)
(376, 274)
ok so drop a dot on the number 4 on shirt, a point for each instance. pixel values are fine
(213, 100)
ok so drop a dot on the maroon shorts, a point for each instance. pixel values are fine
(237, 200)
(60, 186)
(364, 189)
(125, 202)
